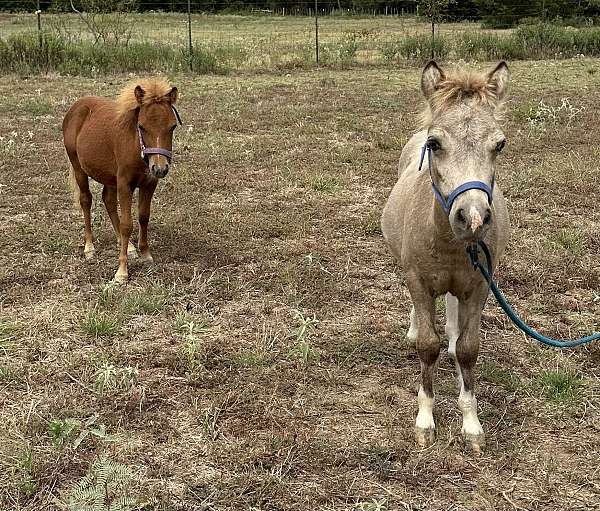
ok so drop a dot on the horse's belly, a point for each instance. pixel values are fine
(97, 160)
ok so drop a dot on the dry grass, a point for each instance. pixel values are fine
(210, 390)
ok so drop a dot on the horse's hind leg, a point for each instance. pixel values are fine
(411, 335)
(428, 348)
(109, 196)
(85, 201)
(467, 351)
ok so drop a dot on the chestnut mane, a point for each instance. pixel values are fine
(155, 91)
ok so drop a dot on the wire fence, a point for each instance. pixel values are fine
(293, 37)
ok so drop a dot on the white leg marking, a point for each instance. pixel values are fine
(425, 416)
(89, 250)
(412, 330)
(468, 406)
(452, 329)
(131, 251)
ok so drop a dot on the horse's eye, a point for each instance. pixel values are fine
(433, 144)
(500, 145)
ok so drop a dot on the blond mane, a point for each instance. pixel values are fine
(155, 91)
(459, 86)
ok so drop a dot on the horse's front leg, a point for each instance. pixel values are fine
(145, 198)
(125, 192)
(467, 351)
(428, 348)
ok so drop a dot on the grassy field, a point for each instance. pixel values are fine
(256, 42)
(261, 362)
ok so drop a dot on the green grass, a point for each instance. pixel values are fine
(324, 183)
(8, 333)
(570, 240)
(561, 387)
(385, 41)
(37, 106)
(499, 375)
(97, 323)
(148, 302)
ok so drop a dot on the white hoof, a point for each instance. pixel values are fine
(121, 278)
(89, 254)
(424, 437)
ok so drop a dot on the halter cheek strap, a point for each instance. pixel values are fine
(447, 203)
(146, 151)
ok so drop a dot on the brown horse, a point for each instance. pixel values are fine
(106, 140)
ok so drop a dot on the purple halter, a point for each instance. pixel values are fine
(146, 151)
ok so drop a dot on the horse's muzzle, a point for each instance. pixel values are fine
(471, 221)
(158, 171)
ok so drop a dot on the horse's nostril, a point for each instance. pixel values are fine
(488, 217)
(460, 216)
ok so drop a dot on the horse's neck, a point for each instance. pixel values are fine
(439, 226)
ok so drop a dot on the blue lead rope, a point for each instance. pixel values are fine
(473, 251)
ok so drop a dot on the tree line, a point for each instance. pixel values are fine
(492, 12)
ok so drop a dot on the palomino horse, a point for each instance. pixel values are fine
(435, 210)
(106, 140)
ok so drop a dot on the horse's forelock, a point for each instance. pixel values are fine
(457, 87)
(155, 91)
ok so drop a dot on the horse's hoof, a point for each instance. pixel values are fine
(146, 258)
(89, 254)
(424, 437)
(474, 443)
(121, 278)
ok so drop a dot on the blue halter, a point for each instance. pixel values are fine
(469, 185)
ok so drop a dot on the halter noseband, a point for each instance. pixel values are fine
(146, 151)
(469, 185)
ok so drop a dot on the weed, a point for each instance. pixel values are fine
(303, 350)
(109, 378)
(210, 422)
(73, 432)
(5, 373)
(542, 116)
(104, 488)
(28, 485)
(185, 325)
(372, 505)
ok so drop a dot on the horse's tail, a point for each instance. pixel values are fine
(73, 186)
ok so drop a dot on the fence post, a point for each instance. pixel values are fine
(190, 35)
(317, 30)
(39, 21)
(432, 36)
(543, 11)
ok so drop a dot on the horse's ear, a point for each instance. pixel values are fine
(498, 80)
(172, 95)
(431, 78)
(139, 95)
